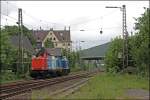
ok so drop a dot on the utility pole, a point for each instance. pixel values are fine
(80, 61)
(125, 37)
(20, 51)
(124, 34)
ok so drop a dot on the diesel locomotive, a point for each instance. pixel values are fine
(49, 63)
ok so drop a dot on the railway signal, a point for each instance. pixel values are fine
(124, 34)
(101, 31)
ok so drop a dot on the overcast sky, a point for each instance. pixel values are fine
(90, 16)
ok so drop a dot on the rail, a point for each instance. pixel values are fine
(24, 86)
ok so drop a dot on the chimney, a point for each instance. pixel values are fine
(65, 28)
(32, 31)
(69, 28)
(131, 33)
(51, 29)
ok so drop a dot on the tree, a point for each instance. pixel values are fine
(138, 48)
(14, 30)
(8, 53)
(140, 43)
(73, 57)
(112, 59)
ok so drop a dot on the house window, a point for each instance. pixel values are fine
(68, 44)
(50, 33)
(63, 38)
(63, 44)
(53, 38)
(61, 34)
(56, 44)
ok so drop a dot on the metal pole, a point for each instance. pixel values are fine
(124, 34)
(125, 39)
(123, 30)
(20, 51)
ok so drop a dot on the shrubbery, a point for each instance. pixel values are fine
(138, 48)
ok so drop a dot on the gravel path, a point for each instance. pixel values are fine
(137, 94)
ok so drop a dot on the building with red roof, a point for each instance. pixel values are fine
(59, 38)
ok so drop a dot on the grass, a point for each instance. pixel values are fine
(8, 77)
(102, 86)
(108, 86)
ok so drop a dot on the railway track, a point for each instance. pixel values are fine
(69, 89)
(27, 86)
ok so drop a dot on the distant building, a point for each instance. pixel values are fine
(96, 52)
(60, 38)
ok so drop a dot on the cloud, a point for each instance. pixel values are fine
(78, 21)
(7, 8)
(79, 15)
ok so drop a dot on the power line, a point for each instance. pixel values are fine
(9, 21)
(98, 18)
(89, 41)
(13, 17)
(10, 17)
(41, 20)
(34, 18)
(15, 20)
(96, 29)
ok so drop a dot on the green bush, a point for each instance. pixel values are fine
(138, 49)
(8, 76)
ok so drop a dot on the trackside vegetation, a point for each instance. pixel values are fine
(9, 55)
(115, 82)
(109, 86)
(138, 48)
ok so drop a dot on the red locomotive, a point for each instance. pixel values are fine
(47, 63)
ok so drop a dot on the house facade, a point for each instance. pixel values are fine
(59, 38)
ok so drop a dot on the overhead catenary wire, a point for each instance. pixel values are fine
(97, 18)
(88, 41)
(53, 24)
(96, 29)
(71, 30)
(41, 20)
(15, 20)
(46, 23)
(7, 19)
(6, 15)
